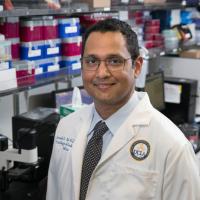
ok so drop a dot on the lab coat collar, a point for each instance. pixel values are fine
(141, 115)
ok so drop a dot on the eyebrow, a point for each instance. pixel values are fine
(108, 56)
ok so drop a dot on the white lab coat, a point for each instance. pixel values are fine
(169, 172)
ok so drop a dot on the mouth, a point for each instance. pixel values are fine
(104, 86)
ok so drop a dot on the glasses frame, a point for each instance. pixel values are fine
(106, 64)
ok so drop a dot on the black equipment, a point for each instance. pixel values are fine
(45, 121)
(183, 112)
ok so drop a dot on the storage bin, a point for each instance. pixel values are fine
(71, 46)
(151, 29)
(15, 48)
(52, 48)
(68, 27)
(32, 50)
(152, 22)
(71, 65)
(50, 29)
(10, 27)
(31, 30)
(25, 72)
(47, 68)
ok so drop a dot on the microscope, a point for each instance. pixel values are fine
(25, 153)
(27, 160)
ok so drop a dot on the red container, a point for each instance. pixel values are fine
(10, 27)
(25, 77)
(152, 22)
(157, 37)
(136, 14)
(71, 46)
(50, 29)
(31, 30)
(139, 20)
(15, 48)
(149, 44)
(152, 29)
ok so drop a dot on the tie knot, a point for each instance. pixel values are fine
(99, 129)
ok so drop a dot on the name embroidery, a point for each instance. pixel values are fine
(65, 142)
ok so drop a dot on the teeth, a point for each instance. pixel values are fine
(104, 86)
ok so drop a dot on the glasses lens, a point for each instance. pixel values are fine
(90, 63)
(115, 63)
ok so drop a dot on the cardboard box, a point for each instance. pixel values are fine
(8, 79)
(154, 1)
(97, 3)
(192, 53)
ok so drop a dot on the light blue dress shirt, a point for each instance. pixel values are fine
(114, 121)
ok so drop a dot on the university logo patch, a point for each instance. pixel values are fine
(140, 150)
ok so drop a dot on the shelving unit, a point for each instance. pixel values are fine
(26, 12)
(163, 6)
(82, 8)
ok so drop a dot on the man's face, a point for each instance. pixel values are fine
(109, 87)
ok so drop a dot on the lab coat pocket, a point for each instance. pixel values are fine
(129, 183)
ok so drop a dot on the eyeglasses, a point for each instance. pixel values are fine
(91, 63)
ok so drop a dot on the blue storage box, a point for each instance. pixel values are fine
(32, 50)
(52, 48)
(49, 66)
(71, 65)
(68, 27)
(39, 73)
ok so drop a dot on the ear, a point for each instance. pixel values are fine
(138, 66)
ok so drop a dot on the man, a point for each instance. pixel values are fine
(137, 153)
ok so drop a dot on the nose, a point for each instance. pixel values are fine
(102, 70)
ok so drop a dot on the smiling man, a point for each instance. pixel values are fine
(119, 147)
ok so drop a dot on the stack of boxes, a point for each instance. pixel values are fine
(69, 32)
(9, 27)
(9, 50)
(7, 74)
(40, 43)
(152, 36)
(31, 48)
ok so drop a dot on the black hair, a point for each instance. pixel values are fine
(115, 25)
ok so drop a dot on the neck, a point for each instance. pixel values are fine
(105, 110)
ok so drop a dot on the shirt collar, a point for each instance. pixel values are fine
(116, 120)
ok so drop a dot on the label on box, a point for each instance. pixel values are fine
(4, 65)
(71, 29)
(34, 53)
(54, 50)
(39, 70)
(53, 68)
(76, 66)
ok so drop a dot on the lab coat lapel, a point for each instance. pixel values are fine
(140, 116)
(79, 148)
